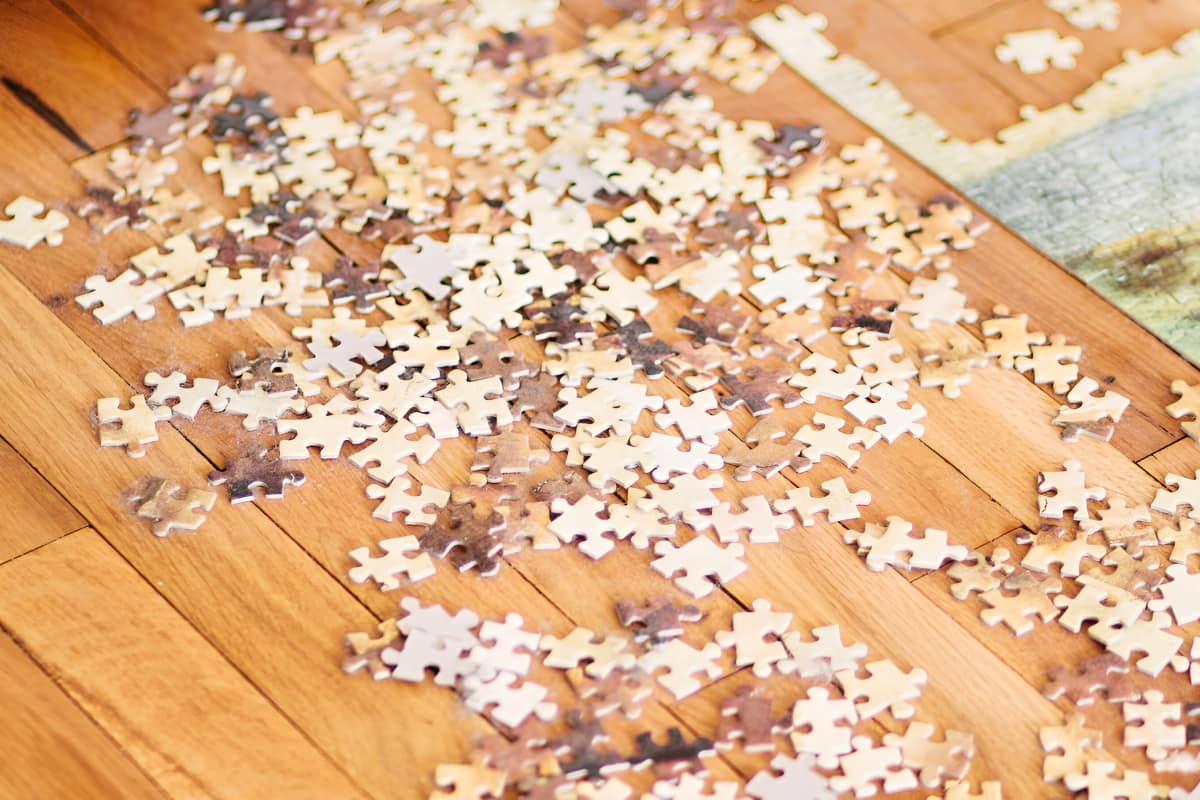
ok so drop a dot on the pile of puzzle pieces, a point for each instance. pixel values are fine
(616, 672)
(525, 261)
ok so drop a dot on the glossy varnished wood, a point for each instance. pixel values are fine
(207, 665)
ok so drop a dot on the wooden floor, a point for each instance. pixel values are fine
(208, 665)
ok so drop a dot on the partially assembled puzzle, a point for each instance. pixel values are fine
(612, 290)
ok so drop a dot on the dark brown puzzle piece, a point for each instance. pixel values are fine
(464, 539)
(865, 314)
(352, 282)
(487, 356)
(675, 756)
(658, 620)
(1106, 673)
(560, 319)
(757, 390)
(748, 716)
(721, 323)
(637, 340)
(262, 373)
(255, 467)
(539, 394)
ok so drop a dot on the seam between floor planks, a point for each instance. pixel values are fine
(177, 617)
(62, 692)
(193, 445)
(101, 527)
(910, 164)
(90, 31)
(46, 543)
(953, 25)
(39, 501)
(320, 566)
(926, 172)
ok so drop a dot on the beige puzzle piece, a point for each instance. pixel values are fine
(395, 562)
(933, 762)
(755, 639)
(838, 504)
(134, 427)
(1188, 405)
(681, 662)
(598, 655)
(1063, 491)
(1007, 336)
(31, 223)
(896, 544)
(1038, 50)
(171, 507)
(1055, 363)
(1089, 14)
(1155, 733)
(886, 688)
(1068, 748)
(702, 563)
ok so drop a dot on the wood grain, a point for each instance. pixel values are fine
(175, 704)
(238, 628)
(1145, 25)
(64, 71)
(34, 512)
(936, 16)
(968, 106)
(52, 748)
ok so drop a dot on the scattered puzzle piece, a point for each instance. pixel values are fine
(839, 503)
(1068, 748)
(885, 688)
(131, 428)
(386, 570)
(1055, 363)
(256, 466)
(171, 507)
(1038, 50)
(31, 223)
(703, 564)
(1060, 492)
(755, 639)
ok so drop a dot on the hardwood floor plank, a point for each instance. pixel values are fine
(164, 39)
(46, 53)
(52, 749)
(1116, 350)
(965, 104)
(932, 16)
(1180, 458)
(245, 585)
(267, 589)
(1009, 474)
(174, 703)
(34, 512)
